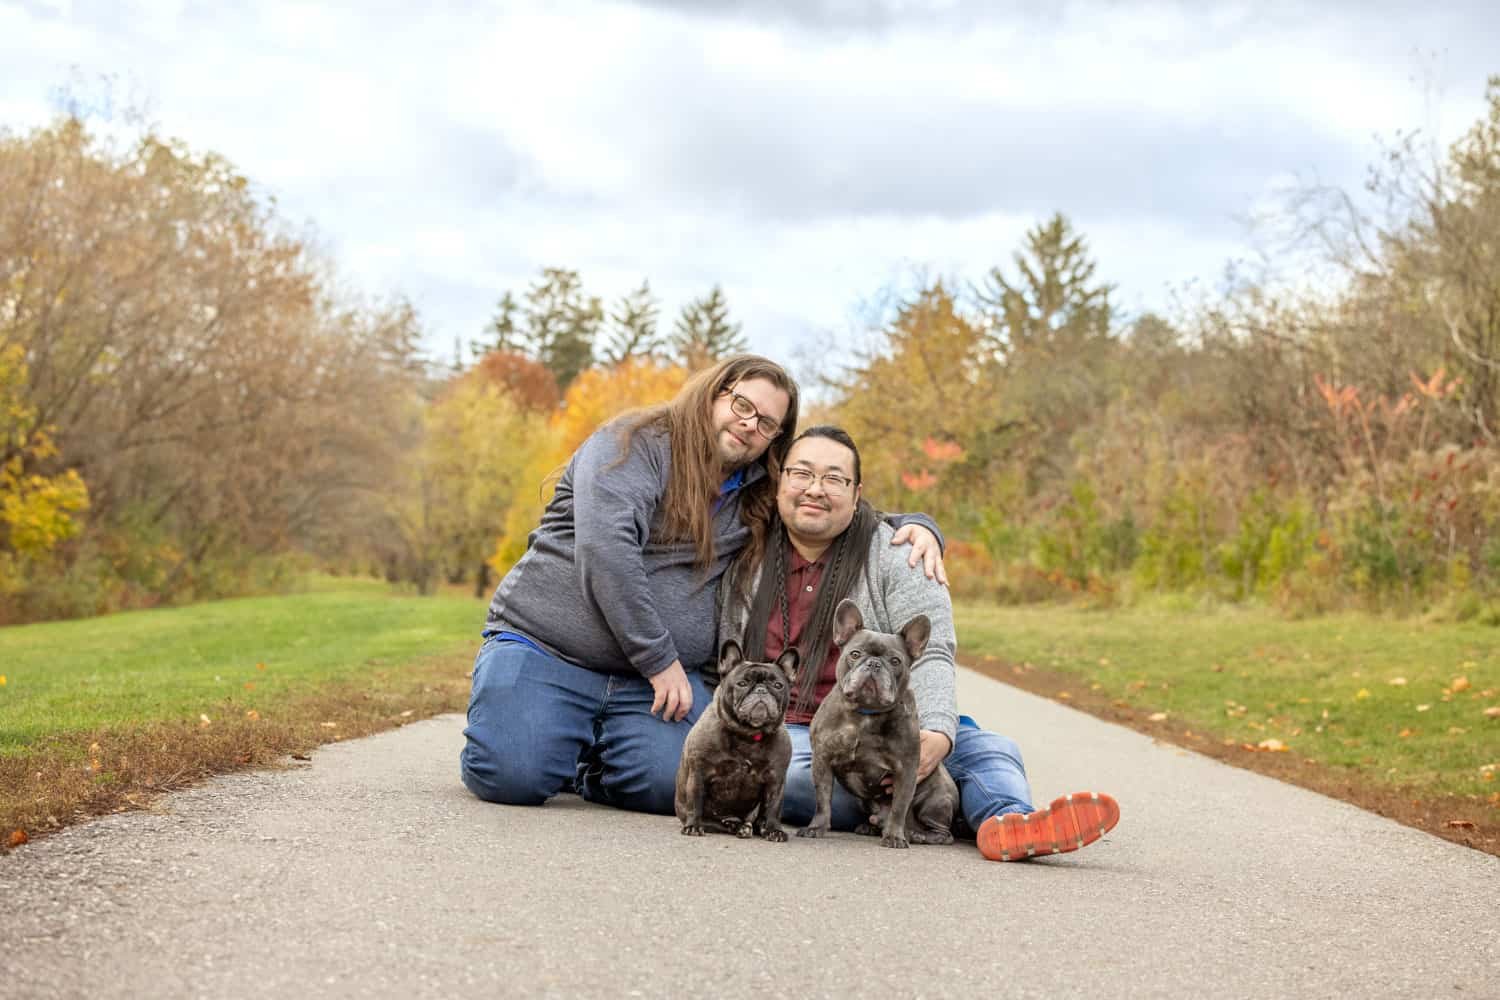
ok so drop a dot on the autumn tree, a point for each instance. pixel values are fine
(219, 400)
(703, 332)
(922, 406)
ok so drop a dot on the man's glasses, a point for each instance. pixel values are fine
(800, 479)
(744, 409)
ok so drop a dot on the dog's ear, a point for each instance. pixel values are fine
(846, 621)
(788, 661)
(915, 634)
(730, 656)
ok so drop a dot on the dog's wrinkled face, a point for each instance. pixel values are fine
(755, 694)
(873, 667)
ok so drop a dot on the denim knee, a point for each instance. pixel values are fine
(494, 778)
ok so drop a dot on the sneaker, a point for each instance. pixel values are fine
(1068, 824)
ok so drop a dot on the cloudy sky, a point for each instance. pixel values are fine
(807, 154)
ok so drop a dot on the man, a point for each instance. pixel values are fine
(832, 545)
(588, 678)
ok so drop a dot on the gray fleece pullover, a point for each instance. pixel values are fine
(890, 594)
(598, 588)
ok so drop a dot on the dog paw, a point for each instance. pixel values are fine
(776, 836)
(812, 831)
(866, 830)
(692, 829)
(894, 842)
(939, 837)
(744, 831)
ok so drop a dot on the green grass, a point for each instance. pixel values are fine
(163, 665)
(1328, 688)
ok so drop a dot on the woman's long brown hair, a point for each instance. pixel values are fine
(696, 475)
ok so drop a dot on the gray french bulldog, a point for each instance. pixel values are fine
(733, 767)
(866, 729)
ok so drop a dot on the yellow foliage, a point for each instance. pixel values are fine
(35, 510)
(599, 394)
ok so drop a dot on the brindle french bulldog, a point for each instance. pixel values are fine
(733, 769)
(866, 729)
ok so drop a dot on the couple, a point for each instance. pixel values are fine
(592, 667)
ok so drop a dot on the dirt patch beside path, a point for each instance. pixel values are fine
(1468, 821)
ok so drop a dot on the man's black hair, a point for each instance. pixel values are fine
(836, 434)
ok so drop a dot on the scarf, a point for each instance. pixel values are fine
(846, 561)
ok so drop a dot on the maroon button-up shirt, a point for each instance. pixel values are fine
(802, 579)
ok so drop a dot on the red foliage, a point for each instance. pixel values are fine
(528, 382)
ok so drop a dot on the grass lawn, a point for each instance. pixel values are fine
(1394, 703)
(96, 712)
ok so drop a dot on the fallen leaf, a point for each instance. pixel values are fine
(1157, 717)
(204, 720)
(1423, 708)
(1361, 694)
(1065, 696)
(94, 749)
(406, 714)
(1460, 684)
(1103, 661)
(1459, 824)
(1397, 682)
(300, 756)
(18, 837)
(1456, 730)
(252, 715)
(260, 666)
(1272, 746)
(329, 725)
(249, 685)
(1493, 712)
(1405, 733)
(2, 680)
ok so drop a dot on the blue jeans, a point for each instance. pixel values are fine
(986, 766)
(539, 726)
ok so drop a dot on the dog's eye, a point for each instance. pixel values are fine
(744, 682)
(777, 685)
(854, 655)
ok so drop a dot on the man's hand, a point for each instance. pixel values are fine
(935, 747)
(924, 549)
(674, 695)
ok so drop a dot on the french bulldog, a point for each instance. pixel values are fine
(866, 730)
(733, 768)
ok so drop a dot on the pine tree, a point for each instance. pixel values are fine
(505, 334)
(1053, 306)
(703, 333)
(633, 328)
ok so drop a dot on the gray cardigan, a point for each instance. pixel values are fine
(890, 594)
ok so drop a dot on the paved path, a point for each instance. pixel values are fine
(371, 872)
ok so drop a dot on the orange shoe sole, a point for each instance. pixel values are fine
(1071, 822)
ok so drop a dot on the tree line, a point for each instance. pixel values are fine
(189, 405)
